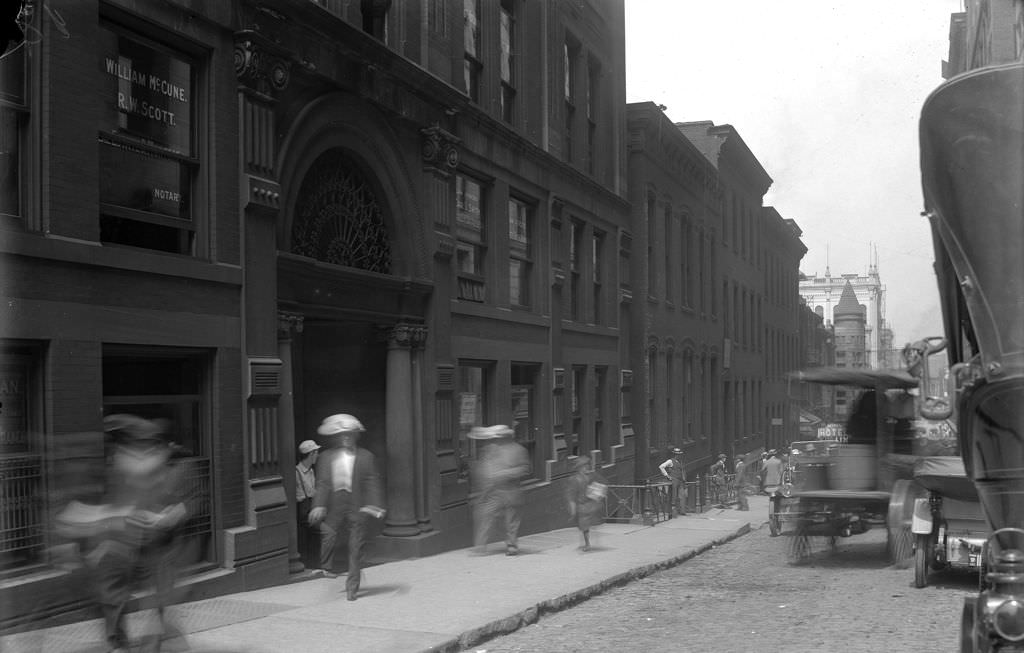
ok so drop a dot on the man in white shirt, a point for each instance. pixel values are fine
(674, 470)
(348, 492)
(305, 490)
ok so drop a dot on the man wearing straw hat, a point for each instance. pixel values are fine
(496, 480)
(348, 491)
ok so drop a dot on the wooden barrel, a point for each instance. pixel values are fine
(853, 468)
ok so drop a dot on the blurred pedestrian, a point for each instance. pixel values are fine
(771, 473)
(673, 470)
(740, 479)
(348, 493)
(308, 536)
(497, 477)
(132, 540)
(585, 493)
(718, 484)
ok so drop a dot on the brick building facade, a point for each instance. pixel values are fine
(246, 216)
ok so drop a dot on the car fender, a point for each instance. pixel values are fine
(921, 522)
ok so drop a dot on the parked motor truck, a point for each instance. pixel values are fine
(972, 173)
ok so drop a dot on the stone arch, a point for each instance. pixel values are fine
(341, 131)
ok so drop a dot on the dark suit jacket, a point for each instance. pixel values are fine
(367, 489)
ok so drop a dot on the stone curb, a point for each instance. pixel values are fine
(530, 615)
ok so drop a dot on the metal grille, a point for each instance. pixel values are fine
(21, 509)
(198, 491)
(338, 219)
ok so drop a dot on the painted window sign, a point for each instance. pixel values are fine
(146, 126)
(13, 408)
(147, 93)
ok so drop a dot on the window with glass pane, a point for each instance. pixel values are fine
(650, 247)
(508, 81)
(570, 51)
(520, 246)
(23, 485)
(522, 386)
(593, 77)
(171, 385)
(13, 121)
(600, 379)
(470, 238)
(472, 65)
(575, 268)
(146, 144)
(597, 245)
(579, 377)
(474, 399)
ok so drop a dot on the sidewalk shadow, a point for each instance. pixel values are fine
(373, 590)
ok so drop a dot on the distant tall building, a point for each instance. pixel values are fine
(823, 294)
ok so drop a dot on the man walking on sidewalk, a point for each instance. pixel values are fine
(740, 482)
(496, 480)
(348, 492)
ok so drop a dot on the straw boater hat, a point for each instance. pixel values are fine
(490, 432)
(340, 423)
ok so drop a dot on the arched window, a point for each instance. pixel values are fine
(338, 219)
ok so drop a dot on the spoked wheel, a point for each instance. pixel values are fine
(900, 540)
(798, 548)
(967, 623)
(922, 559)
(900, 544)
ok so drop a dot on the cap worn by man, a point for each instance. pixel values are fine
(308, 447)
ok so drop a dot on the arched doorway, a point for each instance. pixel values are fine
(362, 325)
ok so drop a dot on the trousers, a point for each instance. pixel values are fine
(341, 516)
(491, 505)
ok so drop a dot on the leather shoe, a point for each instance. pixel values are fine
(326, 573)
(352, 595)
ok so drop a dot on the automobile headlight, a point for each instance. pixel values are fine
(1008, 620)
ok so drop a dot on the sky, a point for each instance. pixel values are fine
(827, 95)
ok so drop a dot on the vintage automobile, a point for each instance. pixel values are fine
(949, 527)
(972, 174)
(845, 488)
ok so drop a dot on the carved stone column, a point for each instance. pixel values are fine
(288, 324)
(399, 404)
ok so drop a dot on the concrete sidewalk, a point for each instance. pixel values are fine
(445, 603)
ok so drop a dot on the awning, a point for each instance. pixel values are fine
(864, 378)
(807, 418)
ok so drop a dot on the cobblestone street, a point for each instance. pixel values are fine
(745, 596)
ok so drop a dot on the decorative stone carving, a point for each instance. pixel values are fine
(440, 148)
(406, 335)
(260, 64)
(288, 323)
